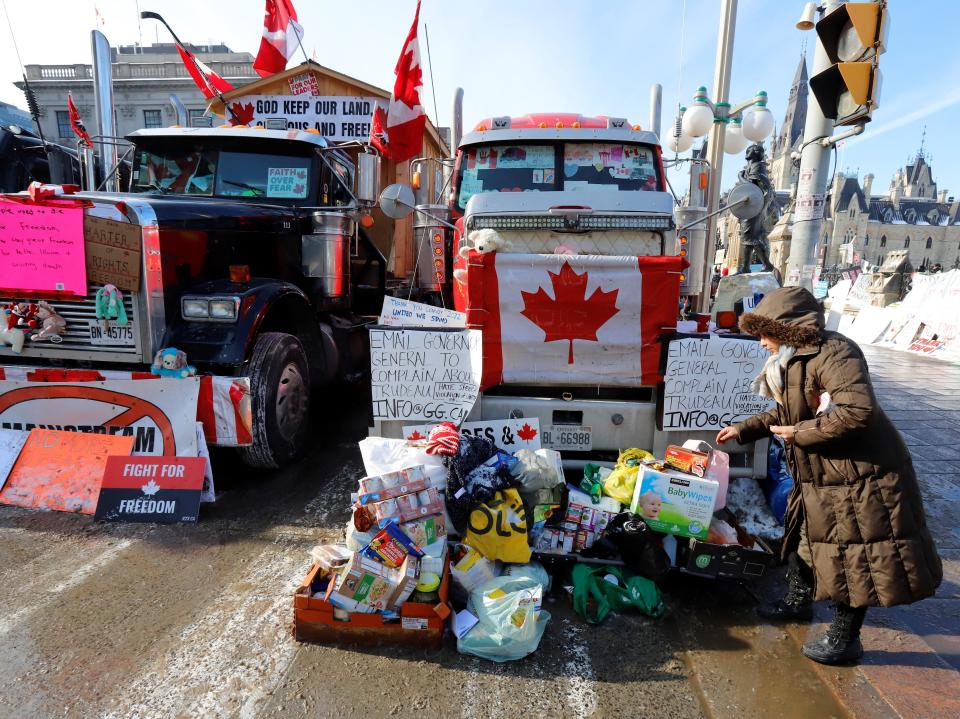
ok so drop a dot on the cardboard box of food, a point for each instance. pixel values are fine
(366, 586)
(686, 460)
(675, 503)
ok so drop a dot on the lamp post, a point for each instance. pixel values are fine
(729, 127)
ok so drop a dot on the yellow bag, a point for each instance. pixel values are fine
(498, 529)
(620, 483)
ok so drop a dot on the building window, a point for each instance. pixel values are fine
(883, 240)
(63, 123)
(866, 240)
(929, 242)
(151, 118)
(851, 213)
(906, 243)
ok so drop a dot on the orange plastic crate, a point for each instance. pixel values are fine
(419, 625)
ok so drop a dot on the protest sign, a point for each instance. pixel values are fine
(336, 118)
(151, 489)
(160, 414)
(112, 252)
(11, 442)
(427, 375)
(706, 384)
(404, 313)
(41, 248)
(510, 435)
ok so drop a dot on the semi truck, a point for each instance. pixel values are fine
(567, 256)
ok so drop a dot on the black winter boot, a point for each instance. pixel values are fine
(797, 604)
(840, 644)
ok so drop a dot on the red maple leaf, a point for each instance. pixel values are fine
(526, 432)
(415, 436)
(569, 315)
(242, 114)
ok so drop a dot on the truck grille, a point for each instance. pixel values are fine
(76, 344)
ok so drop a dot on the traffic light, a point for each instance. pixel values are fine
(853, 35)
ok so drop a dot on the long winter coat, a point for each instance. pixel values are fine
(855, 484)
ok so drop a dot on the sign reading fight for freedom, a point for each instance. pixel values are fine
(336, 118)
(707, 382)
(151, 489)
(429, 375)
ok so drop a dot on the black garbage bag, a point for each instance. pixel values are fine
(627, 536)
(471, 453)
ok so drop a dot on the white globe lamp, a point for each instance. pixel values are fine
(758, 124)
(679, 142)
(698, 118)
(733, 141)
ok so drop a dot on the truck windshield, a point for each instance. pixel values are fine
(547, 167)
(222, 173)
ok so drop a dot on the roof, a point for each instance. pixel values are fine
(792, 129)
(554, 119)
(550, 126)
(849, 191)
(911, 212)
(233, 133)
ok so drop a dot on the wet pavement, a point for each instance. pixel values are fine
(194, 621)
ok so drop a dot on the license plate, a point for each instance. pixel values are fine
(572, 438)
(113, 335)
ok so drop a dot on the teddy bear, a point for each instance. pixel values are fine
(482, 241)
(51, 324)
(171, 362)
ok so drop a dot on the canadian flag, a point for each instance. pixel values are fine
(398, 131)
(572, 319)
(209, 82)
(282, 35)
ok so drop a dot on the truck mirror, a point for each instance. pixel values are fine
(397, 201)
(368, 177)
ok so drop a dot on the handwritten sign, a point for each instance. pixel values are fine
(404, 313)
(336, 118)
(428, 375)
(112, 252)
(304, 84)
(41, 248)
(707, 382)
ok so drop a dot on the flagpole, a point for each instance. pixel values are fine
(148, 15)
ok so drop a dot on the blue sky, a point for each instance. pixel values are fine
(594, 57)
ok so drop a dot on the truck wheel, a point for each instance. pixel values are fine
(280, 389)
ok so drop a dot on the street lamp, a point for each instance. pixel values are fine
(750, 120)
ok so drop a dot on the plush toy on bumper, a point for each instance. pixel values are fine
(171, 362)
(51, 324)
(482, 241)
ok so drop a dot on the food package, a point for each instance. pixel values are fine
(674, 502)
(408, 507)
(357, 540)
(392, 484)
(687, 460)
(425, 531)
(367, 586)
(391, 546)
(331, 556)
(469, 569)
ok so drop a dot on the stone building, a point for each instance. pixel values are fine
(143, 80)
(12, 115)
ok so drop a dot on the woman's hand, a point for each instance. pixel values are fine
(726, 434)
(784, 432)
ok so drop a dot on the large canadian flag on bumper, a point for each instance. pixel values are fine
(572, 320)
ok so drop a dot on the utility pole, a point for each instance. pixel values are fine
(812, 182)
(721, 94)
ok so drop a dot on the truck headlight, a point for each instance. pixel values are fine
(210, 309)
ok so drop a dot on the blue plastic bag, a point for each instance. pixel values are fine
(509, 625)
(778, 483)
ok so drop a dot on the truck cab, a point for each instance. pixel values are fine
(584, 280)
(245, 239)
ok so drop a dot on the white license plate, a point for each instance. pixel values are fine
(572, 438)
(113, 335)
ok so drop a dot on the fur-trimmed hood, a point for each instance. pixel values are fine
(790, 315)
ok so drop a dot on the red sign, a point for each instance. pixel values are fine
(151, 489)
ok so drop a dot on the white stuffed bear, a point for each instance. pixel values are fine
(484, 241)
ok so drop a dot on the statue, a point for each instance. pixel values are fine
(754, 231)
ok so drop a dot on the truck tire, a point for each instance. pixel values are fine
(280, 392)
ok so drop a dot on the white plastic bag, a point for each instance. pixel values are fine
(509, 625)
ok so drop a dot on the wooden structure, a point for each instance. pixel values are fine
(305, 89)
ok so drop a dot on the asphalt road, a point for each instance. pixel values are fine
(194, 621)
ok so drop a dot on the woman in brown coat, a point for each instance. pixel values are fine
(855, 530)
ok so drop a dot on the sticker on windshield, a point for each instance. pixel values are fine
(287, 182)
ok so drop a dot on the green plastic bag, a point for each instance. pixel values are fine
(594, 596)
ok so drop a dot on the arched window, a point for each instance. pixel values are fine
(906, 243)
(866, 241)
(929, 242)
(883, 240)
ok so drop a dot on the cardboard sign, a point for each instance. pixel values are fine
(510, 435)
(404, 313)
(41, 248)
(304, 84)
(151, 489)
(707, 382)
(335, 117)
(113, 252)
(159, 414)
(11, 442)
(61, 470)
(429, 375)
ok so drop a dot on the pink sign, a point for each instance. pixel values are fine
(41, 248)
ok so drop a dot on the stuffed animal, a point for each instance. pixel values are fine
(13, 337)
(109, 305)
(171, 362)
(563, 250)
(484, 241)
(25, 314)
(51, 324)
